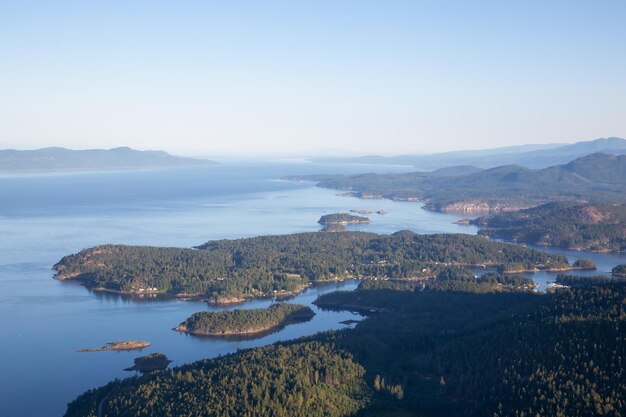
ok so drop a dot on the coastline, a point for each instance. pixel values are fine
(198, 297)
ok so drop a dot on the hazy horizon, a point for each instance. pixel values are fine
(305, 153)
(284, 78)
(321, 153)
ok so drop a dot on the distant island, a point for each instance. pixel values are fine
(575, 226)
(245, 322)
(149, 363)
(597, 178)
(342, 218)
(125, 345)
(61, 159)
(233, 271)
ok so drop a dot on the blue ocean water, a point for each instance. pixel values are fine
(44, 217)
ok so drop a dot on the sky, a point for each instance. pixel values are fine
(301, 77)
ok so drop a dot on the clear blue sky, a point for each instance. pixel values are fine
(279, 77)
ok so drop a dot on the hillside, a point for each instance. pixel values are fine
(597, 227)
(228, 271)
(61, 159)
(529, 156)
(430, 353)
(599, 178)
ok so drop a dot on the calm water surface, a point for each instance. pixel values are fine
(44, 217)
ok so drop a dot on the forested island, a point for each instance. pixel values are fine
(433, 352)
(597, 178)
(245, 322)
(342, 218)
(619, 270)
(150, 363)
(575, 226)
(228, 271)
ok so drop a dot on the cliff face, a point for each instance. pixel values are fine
(570, 225)
(474, 207)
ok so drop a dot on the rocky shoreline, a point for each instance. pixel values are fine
(124, 345)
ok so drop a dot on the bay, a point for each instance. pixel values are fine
(46, 216)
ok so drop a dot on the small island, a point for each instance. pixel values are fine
(245, 322)
(584, 264)
(125, 345)
(149, 363)
(361, 211)
(342, 218)
(619, 270)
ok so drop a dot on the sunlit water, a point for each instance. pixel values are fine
(44, 217)
(604, 263)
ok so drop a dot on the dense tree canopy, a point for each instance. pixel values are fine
(497, 354)
(579, 281)
(244, 321)
(299, 379)
(420, 352)
(261, 265)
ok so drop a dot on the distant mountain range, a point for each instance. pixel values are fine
(530, 156)
(597, 178)
(61, 159)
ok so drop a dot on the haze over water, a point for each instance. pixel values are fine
(44, 217)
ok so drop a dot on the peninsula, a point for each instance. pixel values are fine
(245, 322)
(427, 352)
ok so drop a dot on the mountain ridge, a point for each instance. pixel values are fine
(530, 156)
(597, 178)
(64, 159)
